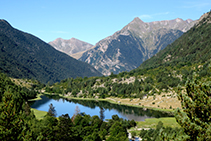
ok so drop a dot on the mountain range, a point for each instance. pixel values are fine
(23, 55)
(70, 46)
(191, 48)
(136, 42)
(156, 80)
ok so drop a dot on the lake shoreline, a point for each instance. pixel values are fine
(110, 100)
(113, 101)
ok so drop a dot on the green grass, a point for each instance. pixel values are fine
(152, 122)
(37, 98)
(38, 114)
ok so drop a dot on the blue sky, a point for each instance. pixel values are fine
(92, 20)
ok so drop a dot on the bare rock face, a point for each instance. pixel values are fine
(70, 46)
(136, 42)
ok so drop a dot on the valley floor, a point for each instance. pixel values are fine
(163, 101)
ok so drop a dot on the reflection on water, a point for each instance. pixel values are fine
(92, 107)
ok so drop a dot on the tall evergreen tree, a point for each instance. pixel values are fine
(102, 116)
(196, 116)
(11, 121)
(52, 111)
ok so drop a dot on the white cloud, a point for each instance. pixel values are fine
(145, 16)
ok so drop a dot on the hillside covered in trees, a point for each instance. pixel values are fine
(23, 55)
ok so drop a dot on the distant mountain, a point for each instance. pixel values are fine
(157, 77)
(23, 55)
(136, 42)
(70, 46)
(193, 47)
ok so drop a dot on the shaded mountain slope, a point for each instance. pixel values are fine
(26, 56)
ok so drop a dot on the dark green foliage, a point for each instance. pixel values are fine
(11, 122)
(102, 116)
(196, 101)
(51, 111)
(117, 132)
(14, 110)
(25, 56)
(149, 80)
(74, 86)
(63, 129)
(17, 91)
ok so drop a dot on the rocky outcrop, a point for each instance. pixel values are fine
(128, 48)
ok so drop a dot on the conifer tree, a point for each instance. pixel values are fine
(102, 116)
(51, 111)
(11, 121)
(196, 116)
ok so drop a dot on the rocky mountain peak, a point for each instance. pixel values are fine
(136, 20)
(70, 46)
(189, 20)
(179, 20)
(128, 48)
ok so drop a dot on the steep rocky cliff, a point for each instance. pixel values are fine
(136, 42)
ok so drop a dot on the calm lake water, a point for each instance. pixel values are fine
(92, 107)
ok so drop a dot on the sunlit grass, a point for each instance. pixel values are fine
(152, 122)
(39, 114)
(37, 97)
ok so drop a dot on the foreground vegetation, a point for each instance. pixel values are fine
(18, 122)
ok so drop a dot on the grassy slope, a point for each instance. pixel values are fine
(38, 114)
(152, 122)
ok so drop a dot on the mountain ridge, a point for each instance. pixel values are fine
(25, 56)
(173, 53)
(148, 38)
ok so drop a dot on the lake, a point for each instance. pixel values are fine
(92, 107)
